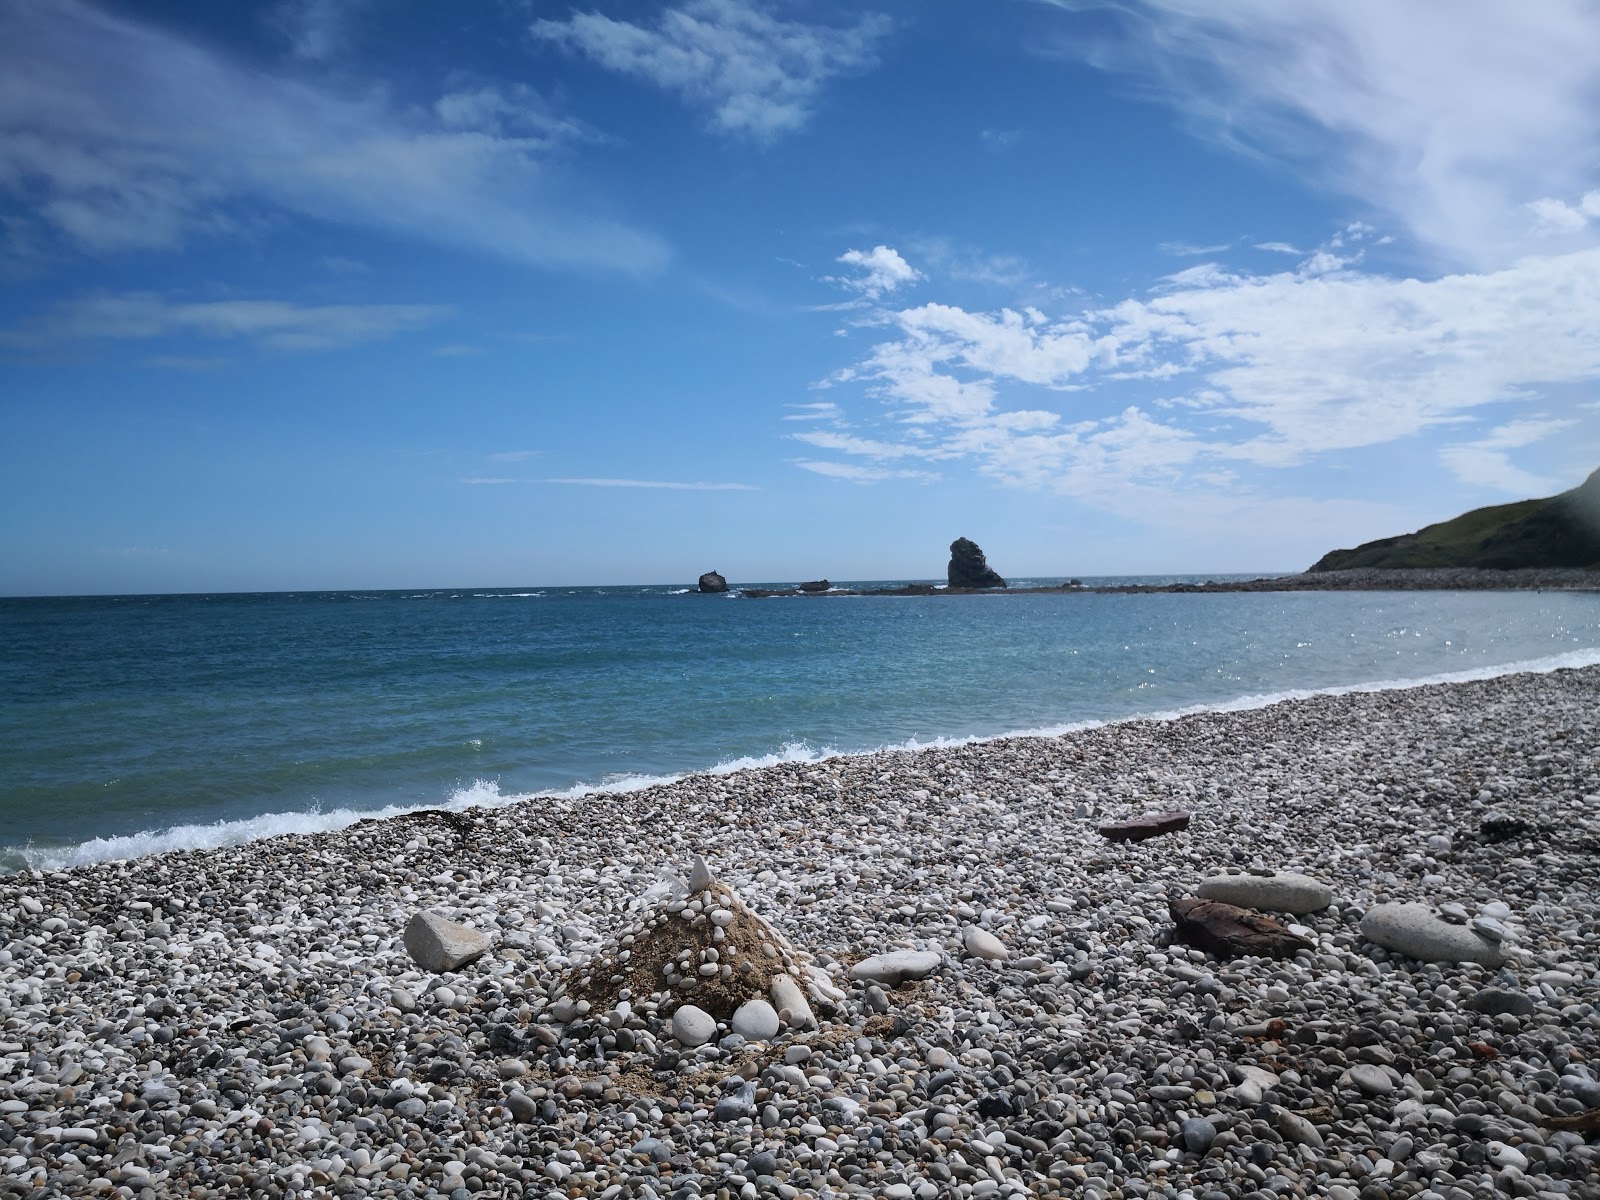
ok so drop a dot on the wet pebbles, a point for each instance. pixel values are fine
(248, 1021)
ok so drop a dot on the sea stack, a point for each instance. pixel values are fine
(712, 582)
(968, 567)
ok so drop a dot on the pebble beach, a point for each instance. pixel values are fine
(250, 1021)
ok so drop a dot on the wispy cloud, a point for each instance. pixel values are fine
(118, 135)
(823, 410)
(1485, 462)
(758, 75)
(1452, 117)
(658, 483)
(278, 324)
(855, 473)
(512, 455)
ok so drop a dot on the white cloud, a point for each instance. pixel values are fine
(1280, 248)
(882, 271)
(759, 75)
(657, 483)
(824, 410)
(117, 135)
(855, 473)
(512, 455)
(278, 324)
(1452, 116)
(1253, 371)
(1485, 463)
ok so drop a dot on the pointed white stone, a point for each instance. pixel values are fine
(982, 944)
(700, 877)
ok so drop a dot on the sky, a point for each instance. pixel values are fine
(350, 294)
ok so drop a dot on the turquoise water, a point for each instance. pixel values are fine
(130, 724)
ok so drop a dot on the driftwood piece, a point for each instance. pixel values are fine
(1229, 931)
(1584, 1122)
(1146, 825)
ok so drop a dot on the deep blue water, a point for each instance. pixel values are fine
(129, 724)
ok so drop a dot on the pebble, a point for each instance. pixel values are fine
(249, 1020)
(897, 967)
(755, 1020)
(980, 943)
(1415, 930)
(1279, 891)
(693, 1026)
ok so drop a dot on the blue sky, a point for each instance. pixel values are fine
(340, 293)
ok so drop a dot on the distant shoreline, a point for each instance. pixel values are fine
(1362, 579)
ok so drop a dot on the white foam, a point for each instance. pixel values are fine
(486, 793)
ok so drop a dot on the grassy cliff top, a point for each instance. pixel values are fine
(1558, 531)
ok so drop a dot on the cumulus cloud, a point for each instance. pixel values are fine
(277, 324)
(758, 75)
(882, 271)
(1451, 116)
(1234, 370)
(116, 135)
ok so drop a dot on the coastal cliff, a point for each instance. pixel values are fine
(1558, 531)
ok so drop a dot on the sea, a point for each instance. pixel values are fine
(131, 725)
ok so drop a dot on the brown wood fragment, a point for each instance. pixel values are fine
(1146, 825)
(1584, 1122)
(1230, 931)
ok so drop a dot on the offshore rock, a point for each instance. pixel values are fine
(713, 582)
(1229, 931)
(815, 585)
(438, 944)
(1146, 825)
(969, 569)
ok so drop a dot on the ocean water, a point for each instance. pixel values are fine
(142, 723)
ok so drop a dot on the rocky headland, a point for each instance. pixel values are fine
(897, 975)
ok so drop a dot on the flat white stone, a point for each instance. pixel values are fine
(980, 943)
(896, 967)
(756, 1021)
(1282, 891)
(1415, 930)
(693, 1026)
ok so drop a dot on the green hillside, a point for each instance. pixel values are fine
(1559, 531)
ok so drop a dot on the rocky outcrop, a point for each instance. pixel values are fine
(815, 585)
(712, 582)
(969, 569)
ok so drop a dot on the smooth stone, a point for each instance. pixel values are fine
(693, 1026)
(1498, 1002)
(1296, 1128)
(1456, 914)
(1416, 931)
(1488, 927)
(1439, 844)
(438, 944)
(756, 1020)
(762, 1162)
(1371, 1079)
(980, 943)
(1502, 1155)
(1283, 891)
(1197, 1134)
(523, 1107)
(787, 997)
(897, 967)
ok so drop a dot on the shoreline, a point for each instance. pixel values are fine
(247, 1018)
(1388, 579)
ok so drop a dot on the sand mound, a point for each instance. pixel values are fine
(707, 948)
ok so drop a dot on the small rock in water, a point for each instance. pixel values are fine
(1146, 825)
(980, 943)
(1283, 891)
(897, 967)
(1415, 930)
(438, 944)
